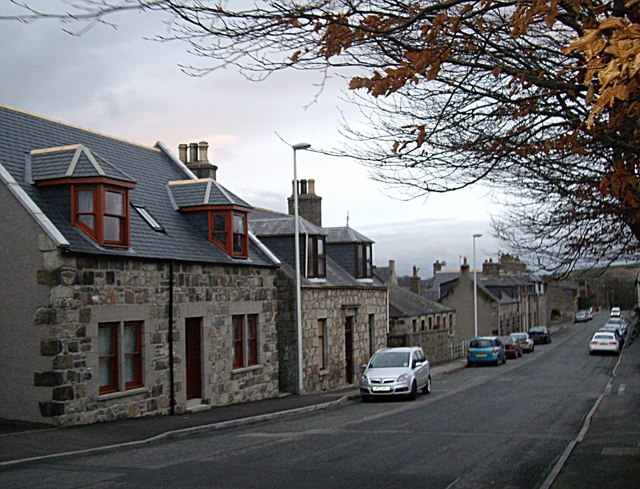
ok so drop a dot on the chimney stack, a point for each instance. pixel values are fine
(437, 267)
(198, 161)
(393, 278)
(309, 204)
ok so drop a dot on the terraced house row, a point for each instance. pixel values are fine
(135, 284)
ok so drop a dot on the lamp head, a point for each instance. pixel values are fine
(477, 235)
(301, 146)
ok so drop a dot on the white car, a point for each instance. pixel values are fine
(526, 344)
(604, 342)
(615, 312)
(397, 371)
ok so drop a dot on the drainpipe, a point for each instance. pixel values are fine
(172, 390)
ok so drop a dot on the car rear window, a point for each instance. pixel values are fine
(481, 344)
(603, 337)
(519, 337)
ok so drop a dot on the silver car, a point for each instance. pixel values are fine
(396, 371)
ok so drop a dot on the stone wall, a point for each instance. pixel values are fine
(334, 305)
(435, 344)
(88, 290)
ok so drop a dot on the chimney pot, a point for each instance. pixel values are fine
(203, 148)
(193, 152)
(312, 186)
(182, 152)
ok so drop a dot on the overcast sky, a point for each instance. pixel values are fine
(116, 82)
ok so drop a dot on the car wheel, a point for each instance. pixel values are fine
(364, 398)
(427, 388)
(414, 391)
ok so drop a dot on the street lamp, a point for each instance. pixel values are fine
(475, 288)
(296, 147)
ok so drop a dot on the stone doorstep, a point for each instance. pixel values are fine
(196, 405)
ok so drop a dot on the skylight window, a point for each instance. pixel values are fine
(150, 220)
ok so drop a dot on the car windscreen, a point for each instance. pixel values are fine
(481, 344)
(536, 330)
(390, 359)
(520, 337)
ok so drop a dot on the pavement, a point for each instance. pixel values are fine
(606, 453)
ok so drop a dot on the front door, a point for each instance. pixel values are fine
(348, 349)
(193, 343)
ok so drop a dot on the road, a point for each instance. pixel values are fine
(501, 427)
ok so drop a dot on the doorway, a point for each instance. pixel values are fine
(348, 349)
(193, 354)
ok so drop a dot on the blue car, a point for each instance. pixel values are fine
(486, 349)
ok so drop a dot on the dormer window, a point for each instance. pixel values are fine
(228, 229)
(364, 265)
(102, 213)
(316, 257)
(99, 190)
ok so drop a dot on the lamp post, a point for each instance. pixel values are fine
(475, 288)
(296, 147)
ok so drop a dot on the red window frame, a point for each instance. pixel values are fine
(245, 340)
(316, 257)
(252, 339)
(118, 358)
(135, 355)
(233, 241)
(99, 213)
(364, 260)
(111, 358)
(238, 341)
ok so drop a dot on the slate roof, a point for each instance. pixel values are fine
(264, 222)
(204, 191)
(150, 168)
(74, 161)
(272, 224)
(404, 303)
(345, 235)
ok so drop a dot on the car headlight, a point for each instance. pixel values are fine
(403, 378)
(364, 379)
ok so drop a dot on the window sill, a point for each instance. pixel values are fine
(365, 280)
(315, 280)
(129, 392)
(246, 369)
(323, 373)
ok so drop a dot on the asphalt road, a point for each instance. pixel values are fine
(502, 427)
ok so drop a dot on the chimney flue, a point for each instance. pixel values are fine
(193, 152)
(182, 152)
(203, 148)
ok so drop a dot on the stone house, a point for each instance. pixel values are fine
(509, 300)
(344, 308)
(417, 321)
(131, 283)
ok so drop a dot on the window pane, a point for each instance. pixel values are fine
(131, 368)
(88, 220)
(112, 229)
(105, 340)
(131, 339)
(85, 201)
(114, 203)
(219, 222)
(237, 243)
(106, 378)
(238, 223)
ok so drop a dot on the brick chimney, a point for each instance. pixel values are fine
(464, 269)
(309, 204)
(437, 267)
(414, 283)
(198, 159)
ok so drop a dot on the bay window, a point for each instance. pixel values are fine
(364, 264)
(316, 257)
(101, 212)
(228, 229)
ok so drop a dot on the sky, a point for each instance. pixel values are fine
(116, 81)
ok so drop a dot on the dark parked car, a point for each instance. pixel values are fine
(540, 334)
(512, 348)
